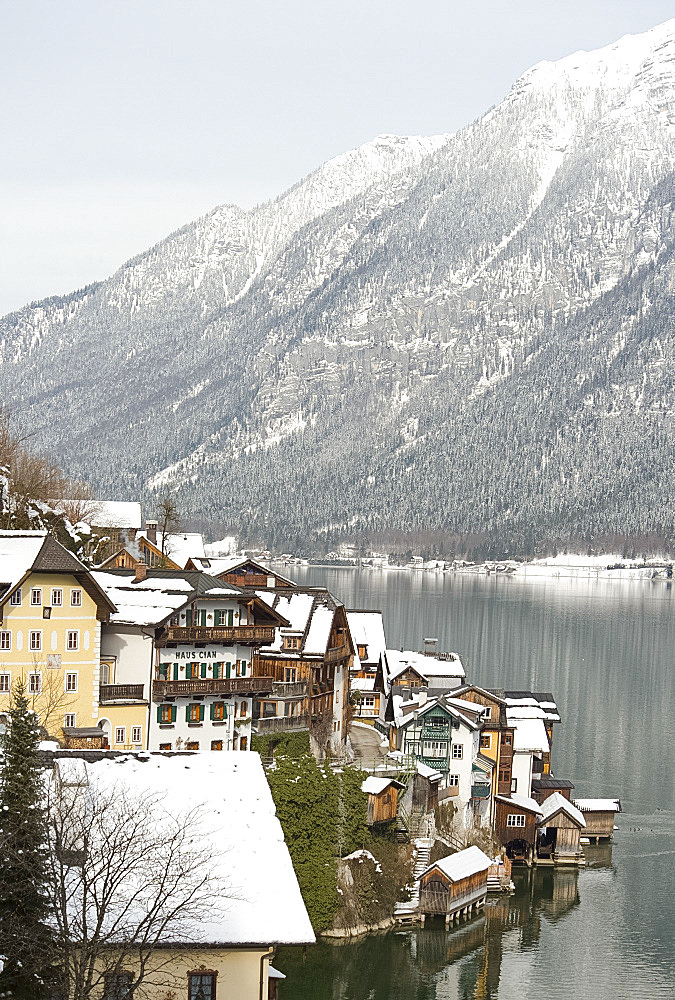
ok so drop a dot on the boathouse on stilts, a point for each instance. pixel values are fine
(599, 815)
(455, 885)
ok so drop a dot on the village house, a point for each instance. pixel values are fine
(151, 549)
(256, 907)
(407, 670)
(51, 613)
(201, 637)
(382, 799)
(367, 631)
(515, 826)
(241, 572)
(496, 738)
(309, 660)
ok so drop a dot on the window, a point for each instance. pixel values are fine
(192, 745)
(243, 708)
(73, 639)
(485, 741)
(136, 734)
(434, 748)
(36, 596)
(514, 784)
(216, 744)
(487, 712)
(69, 720)
(515, 819)
(164, 746)
(5, 640)
(34, 683)
(453, 781)
(120, 734)
(457, 751)
(290, 675)
(15, 599)
(218, 711)
(194, 713)
(362, 652)
(192, 671)
(76, 598)
(166, 714)
(71, 680)
(507, 739)
(118, 986)
(57, 597)
(5, 682)
(35, 641)
(201, 986)
(291, 642)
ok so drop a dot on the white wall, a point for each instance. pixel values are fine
(522, 771)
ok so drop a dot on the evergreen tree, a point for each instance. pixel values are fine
(25, 936)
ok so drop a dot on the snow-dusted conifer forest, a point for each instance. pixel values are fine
(466, 338)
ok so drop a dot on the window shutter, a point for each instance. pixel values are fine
(187, 713)
(175, 671)
(201, 713)
(228, 668)
(203, 670)
(230, 618)
(159, 713)
(212, 710)
(174, 712)
(216, 670)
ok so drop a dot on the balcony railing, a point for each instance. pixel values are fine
(278, 724)
(120, 692)
(212, 685)
(290, 689)
(480, 791)
(246, 579)
(220, 633)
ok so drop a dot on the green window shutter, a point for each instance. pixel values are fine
(174, 712)
(187, 713)
(201, 713)
(216, 670)
(203, 617)
(230, 618)
(228, 668)
(159, 713)
(175, 671)
(203, 670)
(212, 711)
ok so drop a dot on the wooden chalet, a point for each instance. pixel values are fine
(546, 784)
(140, 552)
(515, 826)
(241, 572)
(455, 885)
(382, 799)
(599, 815)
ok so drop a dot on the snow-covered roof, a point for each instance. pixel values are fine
(375, 786)
(18, 552)
(461, 865)
(529, 708)
(367, 629)
(319, 631)
(309, 614)
(181, 546)
(529, 734)
(362, 683)
(521, 801)
(295, 608)
(428, 772)
(147, 602)
(558, 803)
(223, 591)
(431, 668)
(238, 827)
(598, 805)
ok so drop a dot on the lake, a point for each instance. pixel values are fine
(606, 649)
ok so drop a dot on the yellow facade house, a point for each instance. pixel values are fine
(51, 610)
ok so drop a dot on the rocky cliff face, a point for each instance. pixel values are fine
(464, 335)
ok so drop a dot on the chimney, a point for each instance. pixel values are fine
(422, 697)
(151, 531)
(141, 572)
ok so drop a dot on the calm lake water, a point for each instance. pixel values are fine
(606, 649)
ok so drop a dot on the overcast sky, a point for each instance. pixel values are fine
(123, 120)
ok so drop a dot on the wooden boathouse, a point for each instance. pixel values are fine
(559, 831)
(515, 826)
(599, 815)
(455, 885)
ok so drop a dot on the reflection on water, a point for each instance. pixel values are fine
(605, 649)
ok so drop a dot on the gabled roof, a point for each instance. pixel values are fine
(598, 805)
(309, 611)
(520, 802)
(427, 667)
(461, 865)
(486, 692)
(532, 704)
(222, 566)
(180, 545)
(550, 781)
(529, 735)
(25, 552)
(367, 629)
(443, 703)
(556, 803)
(375, 786)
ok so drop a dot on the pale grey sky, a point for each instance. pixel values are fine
(122, 120)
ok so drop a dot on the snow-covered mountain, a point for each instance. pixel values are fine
(462, 335)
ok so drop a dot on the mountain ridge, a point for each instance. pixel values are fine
(385, 300)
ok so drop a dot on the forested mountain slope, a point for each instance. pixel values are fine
(465, 337)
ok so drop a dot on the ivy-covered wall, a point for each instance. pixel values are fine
(288, 744)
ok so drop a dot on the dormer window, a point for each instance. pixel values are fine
(363, 652)
(292, 642)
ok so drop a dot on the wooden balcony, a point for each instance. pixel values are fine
(211, 685)
(336, 653)
(290, 689)
(120, 692)
(281, 724)
(245, 579)
(258, 634)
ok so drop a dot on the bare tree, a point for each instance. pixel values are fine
(126, 877)
(52, 701)
(169, 522)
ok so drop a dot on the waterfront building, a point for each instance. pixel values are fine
(455, 885)
(496, 738)
(599, 816)
(515, 825)
(559, 831)
(308, 660)
(51, 613)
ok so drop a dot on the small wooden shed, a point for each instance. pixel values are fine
(382, 799)
(559, 831)
(599, 815)
(547, 784)
(516, 825)
(456, 884)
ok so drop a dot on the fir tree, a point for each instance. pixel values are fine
(25, 937)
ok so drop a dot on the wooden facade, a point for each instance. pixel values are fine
(518, 836)
(382, 801)
(600, 815)
(559, 841)
(455, 885)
